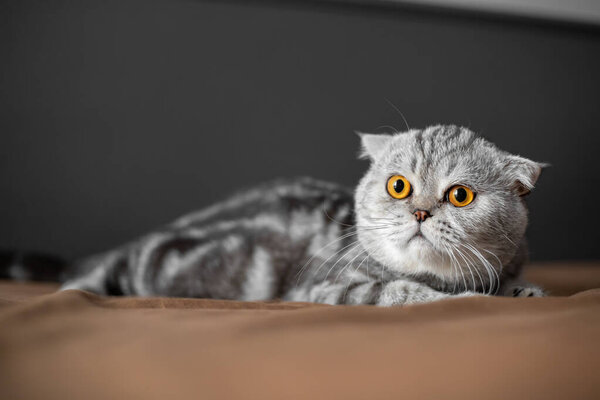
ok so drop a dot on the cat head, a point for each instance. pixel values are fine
(444, 202)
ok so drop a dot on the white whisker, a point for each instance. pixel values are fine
(475, 268)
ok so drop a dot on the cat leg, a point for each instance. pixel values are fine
(363, 292)
(104, 274)
(402, 292)
(93, 281)
(398, 292)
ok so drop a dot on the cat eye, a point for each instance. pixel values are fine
(460, 196)
(399, 187)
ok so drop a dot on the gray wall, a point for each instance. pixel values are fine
(117, 116)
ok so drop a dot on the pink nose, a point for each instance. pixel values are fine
(422, 215)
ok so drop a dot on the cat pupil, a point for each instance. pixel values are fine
(460, 195)
(399, 186)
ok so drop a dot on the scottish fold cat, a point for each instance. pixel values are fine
(439, 213)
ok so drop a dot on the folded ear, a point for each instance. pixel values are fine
(373, 145)
(524, 173)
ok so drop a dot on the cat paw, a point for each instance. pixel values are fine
(470, 294)
(406, 292)
(527, 291)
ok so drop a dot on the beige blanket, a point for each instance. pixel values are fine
(75, 345)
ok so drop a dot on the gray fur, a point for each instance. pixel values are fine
(305, 240)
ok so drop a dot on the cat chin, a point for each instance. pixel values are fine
(418, 256)
(423, 258)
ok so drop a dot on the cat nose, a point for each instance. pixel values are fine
(422, 215)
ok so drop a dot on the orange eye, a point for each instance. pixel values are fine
(399, 187)
(460, 195)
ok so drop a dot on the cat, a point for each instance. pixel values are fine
(439, 213)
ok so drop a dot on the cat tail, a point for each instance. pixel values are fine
(31, 266)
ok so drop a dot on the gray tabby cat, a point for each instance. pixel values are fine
(439, 213)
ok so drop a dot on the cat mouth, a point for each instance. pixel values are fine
(419, 237)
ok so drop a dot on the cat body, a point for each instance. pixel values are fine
(439, 213)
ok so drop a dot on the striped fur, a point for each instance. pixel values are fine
(306, 240)
(289, 240)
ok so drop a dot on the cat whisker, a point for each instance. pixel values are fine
(500, 267)
(509, 240)
(366, 227)
(390, 220)
(349, 262)
(459, 269)
(366, 249)
(399, 112)
(388, 210)
(394, 129)
(301, 271)
(354, 243)
(483, 262)
(452, 264)
(502, 232)
(454, 272)
(356, 246)
(333, 219)
(365, 258)
(468, 265)
(471, 263)
(496, 273)
(345, 236)
(495, 280)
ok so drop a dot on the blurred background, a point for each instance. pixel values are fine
(117, 116)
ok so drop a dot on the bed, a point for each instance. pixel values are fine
(76, 345)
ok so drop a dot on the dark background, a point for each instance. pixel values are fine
(118, 116)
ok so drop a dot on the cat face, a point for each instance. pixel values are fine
(444, 202)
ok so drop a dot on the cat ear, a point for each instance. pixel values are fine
(524, 173)
(373, 145)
